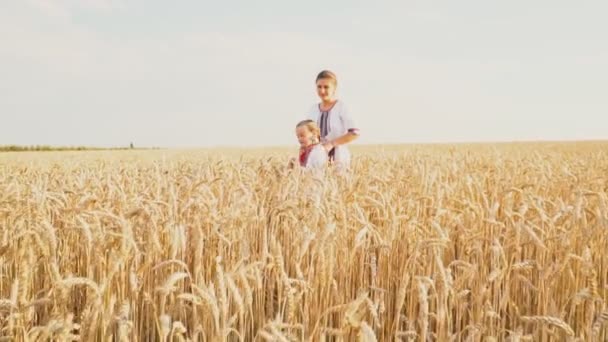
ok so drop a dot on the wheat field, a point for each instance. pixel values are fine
(504, 242)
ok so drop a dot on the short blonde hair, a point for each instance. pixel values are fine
(312, 127)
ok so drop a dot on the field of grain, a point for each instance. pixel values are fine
(443, 243)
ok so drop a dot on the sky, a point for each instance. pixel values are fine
(241, 73)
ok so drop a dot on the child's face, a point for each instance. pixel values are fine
(305, 136)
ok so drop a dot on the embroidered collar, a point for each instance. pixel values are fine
(304, 153)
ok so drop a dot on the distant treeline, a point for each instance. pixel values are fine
(20, 148)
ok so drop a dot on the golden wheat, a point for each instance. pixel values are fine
(469, 242)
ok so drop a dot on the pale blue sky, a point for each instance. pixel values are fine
(200, 73)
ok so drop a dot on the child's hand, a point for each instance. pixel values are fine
(328, 146)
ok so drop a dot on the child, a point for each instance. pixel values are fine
(312, 153)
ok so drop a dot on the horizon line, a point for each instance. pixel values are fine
(230, 146)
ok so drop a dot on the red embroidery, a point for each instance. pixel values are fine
(304, 153)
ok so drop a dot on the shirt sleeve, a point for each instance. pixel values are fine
(348, 121)
(313, 113)
(317, 158)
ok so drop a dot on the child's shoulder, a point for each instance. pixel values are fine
(320, 152)
(317, 156)
(318, 148)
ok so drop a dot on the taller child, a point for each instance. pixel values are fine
(334, 120)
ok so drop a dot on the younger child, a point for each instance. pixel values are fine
(312, 153)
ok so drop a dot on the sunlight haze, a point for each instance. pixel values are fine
(202, 73)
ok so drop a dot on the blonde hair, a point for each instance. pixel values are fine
(312, 127)
(326, 74)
